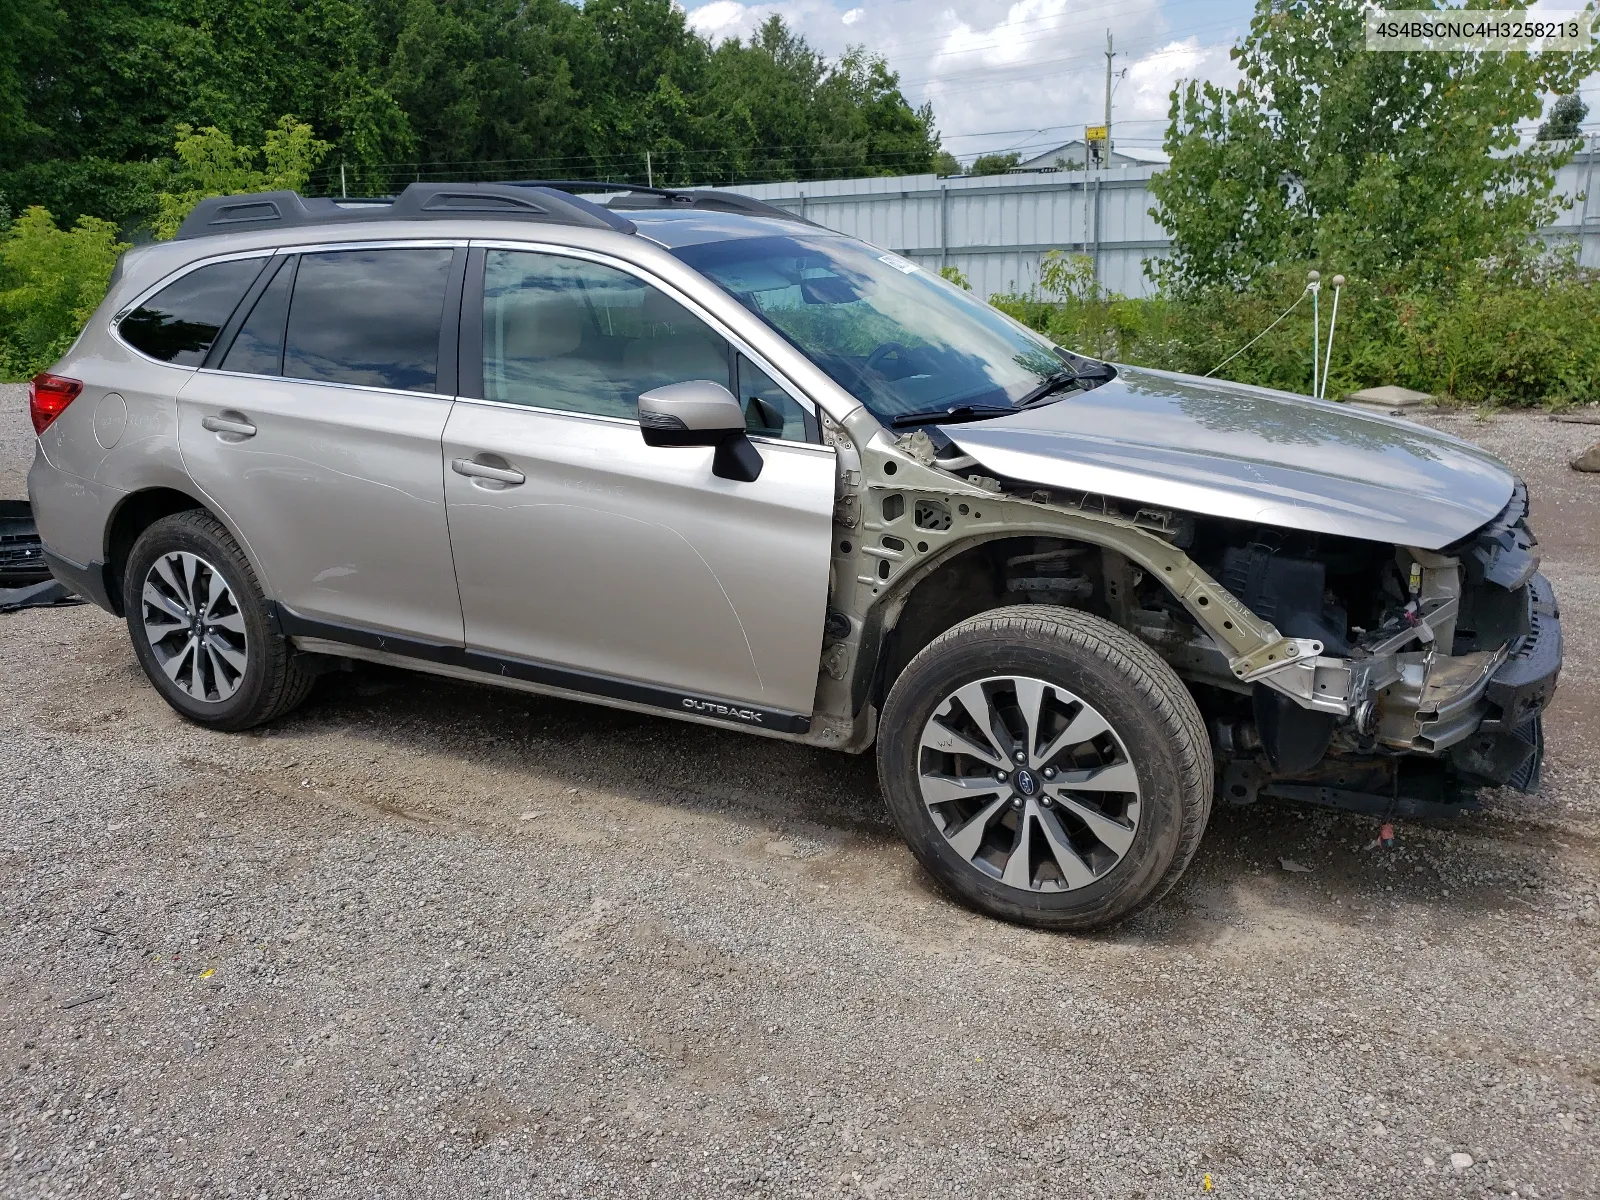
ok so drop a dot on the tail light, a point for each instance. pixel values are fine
(48, 397)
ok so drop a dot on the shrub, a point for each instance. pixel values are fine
(954, 274)
(1071, 307)
(51, 279)
(1512, 333)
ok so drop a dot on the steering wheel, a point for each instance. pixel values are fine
(887, 350)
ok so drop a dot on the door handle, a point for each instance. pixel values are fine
(240, 427)
(478, 470)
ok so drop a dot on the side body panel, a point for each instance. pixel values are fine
(637, 562)
(338, 493)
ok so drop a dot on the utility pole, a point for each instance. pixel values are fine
(1110, 54)
(649, 174)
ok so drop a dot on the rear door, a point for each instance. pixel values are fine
(316, 431)
(630, 570)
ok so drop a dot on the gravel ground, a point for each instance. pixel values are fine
(16, 441)
(423, 939)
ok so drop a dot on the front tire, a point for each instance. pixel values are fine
(199, 626)
(1046, 767)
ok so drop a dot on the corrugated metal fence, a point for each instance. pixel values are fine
(996, 228)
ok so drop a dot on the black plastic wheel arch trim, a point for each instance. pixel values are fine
(733, 712)
(87, 580)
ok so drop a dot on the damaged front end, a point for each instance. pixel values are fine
(1404, 645)
(1332, 667)
(1434, 672)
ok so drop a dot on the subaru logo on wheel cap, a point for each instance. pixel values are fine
(1025, 782)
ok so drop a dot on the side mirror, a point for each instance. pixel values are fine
(701, 413)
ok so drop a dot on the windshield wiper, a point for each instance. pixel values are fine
(956, 412)
(1092, 374)
(1052, 383)
(1098, 373)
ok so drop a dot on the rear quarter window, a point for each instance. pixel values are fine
(179, 323)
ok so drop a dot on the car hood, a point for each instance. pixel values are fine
(1250, 454)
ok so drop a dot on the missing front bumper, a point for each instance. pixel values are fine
(1492, 726)
(1478, 714)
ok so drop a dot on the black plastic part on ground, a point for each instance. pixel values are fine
(21, 551)
(52, 593)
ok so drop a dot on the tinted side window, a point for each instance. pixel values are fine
(768, 409)
(258, 348)
(568, 334)
(368, 316)
(179, 323)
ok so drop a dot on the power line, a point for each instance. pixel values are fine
(817, 151)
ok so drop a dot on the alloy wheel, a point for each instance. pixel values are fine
(1029, 783)
(194, 627)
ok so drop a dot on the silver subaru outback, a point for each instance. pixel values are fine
(684, 453)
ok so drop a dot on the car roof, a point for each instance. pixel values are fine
(695, 227)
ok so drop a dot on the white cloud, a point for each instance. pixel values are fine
(851, 17)
(1151, 78)
(722, 19)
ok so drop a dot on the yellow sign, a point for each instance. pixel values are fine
(1095, 133)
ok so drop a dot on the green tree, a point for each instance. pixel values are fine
(210, 164)
(93, 93)
(946, 164)
(1566, 119)
(107, 83)
(488, 81)
(30, 27)
(993, 164)
(1380, 164)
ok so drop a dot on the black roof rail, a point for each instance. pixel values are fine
(419, 202)
(635, 198)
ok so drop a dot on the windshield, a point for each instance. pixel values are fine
(898, 338)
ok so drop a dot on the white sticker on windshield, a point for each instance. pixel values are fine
(903, 265)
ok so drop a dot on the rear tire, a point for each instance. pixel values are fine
(1087, 795)
(199, 625)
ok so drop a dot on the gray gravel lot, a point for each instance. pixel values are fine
(16, 441)
(425, 939)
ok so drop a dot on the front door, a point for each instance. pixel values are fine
(317, 435)
(579, 547)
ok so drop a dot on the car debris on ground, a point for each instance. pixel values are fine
(52, 593)
(21, 550)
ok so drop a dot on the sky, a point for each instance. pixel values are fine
(1026, 75)
(1021, 75)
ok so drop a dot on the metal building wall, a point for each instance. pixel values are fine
(1576, 182)
(996, 228)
